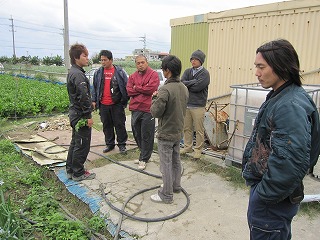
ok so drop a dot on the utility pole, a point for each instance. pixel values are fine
(66, 35)
(144, 40)
(13, 45)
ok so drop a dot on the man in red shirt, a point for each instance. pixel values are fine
(141, 85)
(109, 95)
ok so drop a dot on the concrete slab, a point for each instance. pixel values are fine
(216, 211)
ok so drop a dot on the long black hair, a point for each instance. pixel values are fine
(283, 59)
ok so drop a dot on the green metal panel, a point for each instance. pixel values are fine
(187, 38)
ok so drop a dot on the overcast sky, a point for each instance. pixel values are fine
(117, 25)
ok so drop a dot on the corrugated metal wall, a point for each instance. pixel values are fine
(234, 39)
(234, 36)
(187, 38)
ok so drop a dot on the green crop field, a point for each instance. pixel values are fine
(22, 97)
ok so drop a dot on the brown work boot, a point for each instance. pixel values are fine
(197, 155)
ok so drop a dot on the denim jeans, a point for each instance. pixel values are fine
(270, 221)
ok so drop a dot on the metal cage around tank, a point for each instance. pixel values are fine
(245, 102)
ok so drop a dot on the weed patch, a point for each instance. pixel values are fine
(31, 200)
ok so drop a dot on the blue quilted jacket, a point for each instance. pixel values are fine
(284, 144)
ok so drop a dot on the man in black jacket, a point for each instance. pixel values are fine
(110, 96)
(80, 117)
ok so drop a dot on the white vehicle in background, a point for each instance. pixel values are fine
(161, 76)
(91, 72)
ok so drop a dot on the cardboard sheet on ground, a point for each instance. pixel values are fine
(40, 149)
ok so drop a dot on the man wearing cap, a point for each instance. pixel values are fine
(197, 80)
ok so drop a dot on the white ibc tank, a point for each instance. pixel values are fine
(244, 105)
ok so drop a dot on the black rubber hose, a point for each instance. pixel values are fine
(121, 211)
(66, 145)
(126, 166)
(147, 219)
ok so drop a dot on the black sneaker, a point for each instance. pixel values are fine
(69, 175)
(123, 149)
(108, 149)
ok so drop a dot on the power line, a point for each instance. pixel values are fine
(158, 42)
(3, 2)
(38, 48)
(48, 44)
(3, 28)
(38, 30)
(34, 29)
(36, 24)
(86, 33)
(92, 36)
(101, 39)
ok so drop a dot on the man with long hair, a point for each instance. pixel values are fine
(284, 144)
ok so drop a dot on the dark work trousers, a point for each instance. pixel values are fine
(113, 117)
(78, 151)
(143, 127)
(270, 221)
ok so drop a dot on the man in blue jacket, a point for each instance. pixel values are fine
(284, 144)
(110, 96)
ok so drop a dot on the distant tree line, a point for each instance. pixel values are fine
(95, 59)
(35, 60)
(59, 61)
